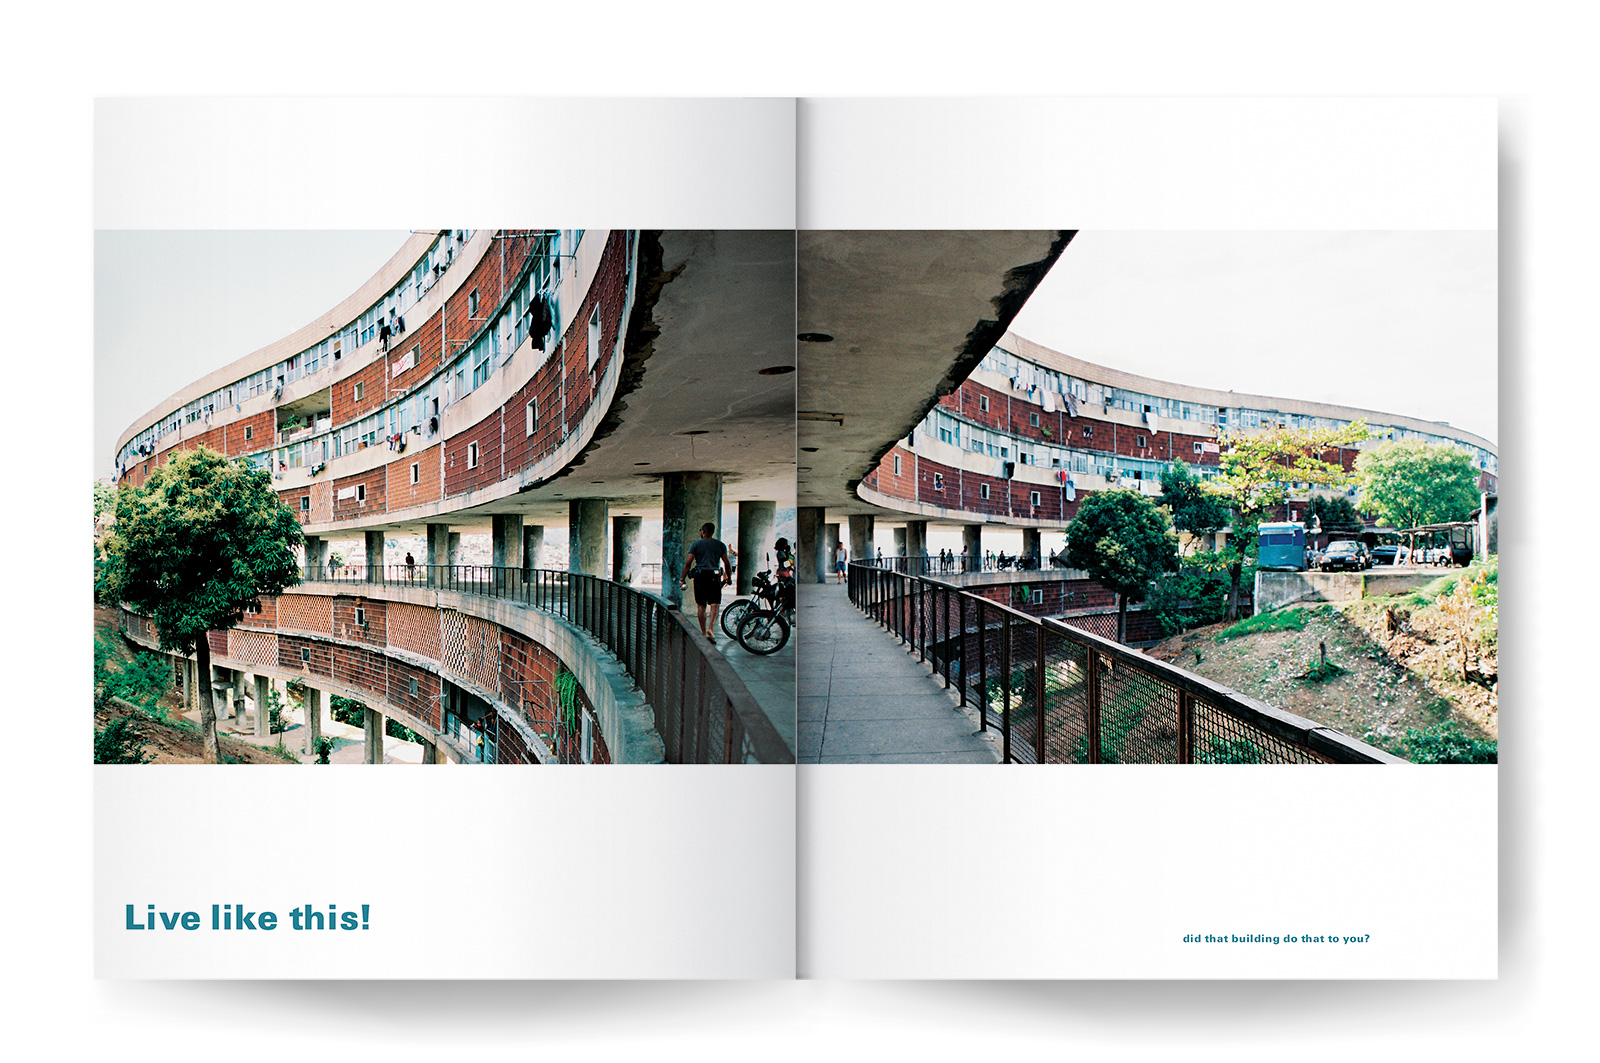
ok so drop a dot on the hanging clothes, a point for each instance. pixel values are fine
(1072, 490)
(1049, 402)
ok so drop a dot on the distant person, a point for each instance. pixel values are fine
(709, 565)
(411, 565)
(841, 557)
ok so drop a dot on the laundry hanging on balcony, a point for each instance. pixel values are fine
(1049, 402)
(540, 320)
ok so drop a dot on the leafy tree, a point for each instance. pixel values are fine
(1124, 542)
(119, 743)
(1194, 509)
(1256, 473)
(1334, 512)
(195, 543)
(1408, 482)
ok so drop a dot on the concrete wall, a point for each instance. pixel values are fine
(1274, 590)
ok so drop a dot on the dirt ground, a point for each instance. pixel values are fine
(1401, 671)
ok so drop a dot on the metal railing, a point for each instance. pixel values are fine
(1061, 695)
(703, 711)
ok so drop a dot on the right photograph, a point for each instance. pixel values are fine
(1102, 497)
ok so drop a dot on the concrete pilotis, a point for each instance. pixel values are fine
(316, 552)
(373, 723)
(861, 528)
(507, 532)
(263, 693)
(917, 538)
(688, 500)
(438, 549)
(586, 536)
(899, 542)
(452, 553)
(375, 556)
(430, 753)
(532, 543)
(625, 549)
(972, 544)
(313, 712)
(811, 561)
(831, 552)
(1030, 542)
(756, 520)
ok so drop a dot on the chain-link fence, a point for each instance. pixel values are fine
(1060, 694)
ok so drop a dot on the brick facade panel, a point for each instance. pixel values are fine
(345, 625)
(413, 628)
(424, 704)
(400, 492)
(354, 508)
(362, 669)
(292, 656)
(305, 612)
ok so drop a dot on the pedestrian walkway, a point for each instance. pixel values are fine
(864, 700)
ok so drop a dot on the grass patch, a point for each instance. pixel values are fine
(1321, 671)
(1281, 620)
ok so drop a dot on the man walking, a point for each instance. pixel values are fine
(708, 563)
(841, 557)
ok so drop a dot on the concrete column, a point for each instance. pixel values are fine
(917, 538)
(375, 556)
(861, 528)
(313, 711)
(972, 544)
(810, 562)
(899, 542)
(373, 722)
(263, 685)
(532, 543)
(183, 680)
(830, 548)
(430, 753)
(1030, 542)
(452, 553)
(688, 500)
(316, 552)
(625, 549)
(756, 521)
(586, 536)
(438, 536)
(507, 532)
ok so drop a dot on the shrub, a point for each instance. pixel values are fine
(118, 742)
(1280, 620)
(347, 710)
(1229, 751)
(324, 747)
(1446, 743)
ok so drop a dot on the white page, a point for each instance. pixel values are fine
(1101, 872)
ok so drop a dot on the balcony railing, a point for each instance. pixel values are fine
(703, 711)
(1061, 695)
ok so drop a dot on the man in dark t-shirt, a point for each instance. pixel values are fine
(708, 564)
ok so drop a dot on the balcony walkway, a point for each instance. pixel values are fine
(864, 700)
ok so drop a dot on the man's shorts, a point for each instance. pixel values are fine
(838, 566)
(708, 588)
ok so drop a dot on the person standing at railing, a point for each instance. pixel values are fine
(708, 563)
(411, 566)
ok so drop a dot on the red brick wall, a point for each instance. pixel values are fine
(344, 620)
(424, 704)
(374, 392)
(414, 628)
(458, 475)
(362, 669)
(376, 480)
(399, 491)
(305, 612)
(289, 656)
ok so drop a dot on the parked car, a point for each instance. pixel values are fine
(1345, 555)
(1390, 554)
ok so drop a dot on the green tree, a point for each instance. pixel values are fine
(1194, 509)
(199, 540)
(1335, 512)
(1257, 471)
(1408, 482)
(1124, 542)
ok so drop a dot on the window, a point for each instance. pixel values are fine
(249, 431)
(1038, 597)
(897, 465)
(416, 471)
(938, 481)
(357, 391)
(983, 403)
(1033, 419)
(472, 303)
(305, 503)
(472, 455)
(361, 616)
(305, 653)
(1088, 431)
(594, 337)
(411, 688)
(1139, 441)
(531, 413)
(1197, 447)
(361, 493)
(1033, 498)
(983, 491)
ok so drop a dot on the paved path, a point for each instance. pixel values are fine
(864, 700)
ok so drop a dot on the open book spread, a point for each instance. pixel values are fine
(879, 556)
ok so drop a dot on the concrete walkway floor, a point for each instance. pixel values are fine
(863, 699)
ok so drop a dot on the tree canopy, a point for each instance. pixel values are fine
(1408, 482)
(1124, 542)
(1334, 512)
(1195, 509)
(200, 539)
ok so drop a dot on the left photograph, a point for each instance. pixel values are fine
(525, 497)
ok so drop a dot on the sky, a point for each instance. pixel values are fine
(1399, 322)
(173, 306)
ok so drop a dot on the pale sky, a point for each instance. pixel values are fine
(1400, 322)
(173, 306)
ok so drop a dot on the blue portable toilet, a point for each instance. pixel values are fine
(1282, 546)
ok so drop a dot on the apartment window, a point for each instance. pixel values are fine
(983, 491)
(361, 493)
(358, 390)
(1038, 597)
(938, 481)
(305, 503)
(1033, 419)
(249, 431)
(472, 303)
(361, 617)
(1088, 431)
(416, 471)
(531, 413)
(1033, 498)
(983, 403)
(305, 653)
(1140, 441)
(594, 337)
(1198, 448)
(411, 687)
(472, 455)
(897, 465)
